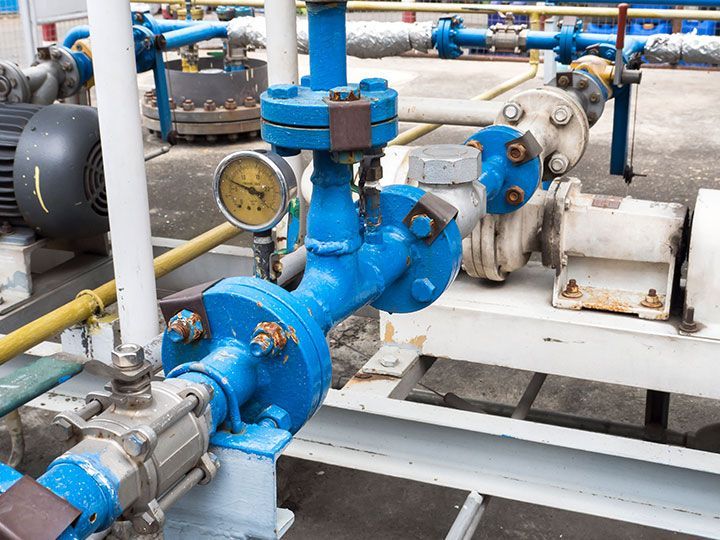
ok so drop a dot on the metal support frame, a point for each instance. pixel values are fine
(563, 468)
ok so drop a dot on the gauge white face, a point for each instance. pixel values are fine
(251, 190)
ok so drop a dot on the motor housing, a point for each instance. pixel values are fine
(51, 172)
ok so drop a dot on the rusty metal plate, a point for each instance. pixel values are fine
(350, 127)
(29, 511)
(190, 299)
(607, 201)
(439, 210)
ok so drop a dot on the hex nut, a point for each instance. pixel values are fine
(373, 84)
(344, 93)
(512, 112)
(421, 226)
(230, 104)
(515, 195)
(209, 105)
(128, 356)
(188, 105)
(423, 290)
(444, 164)
(558, 163)
(516, 152)
(62, 429)
(282, 91)
(561, 115)
(249, 101)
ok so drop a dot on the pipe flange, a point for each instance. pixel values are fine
(569, 139)
(14, 86)
(62, 57)
(587, 90)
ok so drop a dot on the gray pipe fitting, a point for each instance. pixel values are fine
(451, 171)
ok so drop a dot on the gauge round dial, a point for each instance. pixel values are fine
(253, 189)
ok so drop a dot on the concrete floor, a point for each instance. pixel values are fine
(677, 144)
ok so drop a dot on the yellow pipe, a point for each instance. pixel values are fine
(434, 7)
(89, 302)
(406, 137)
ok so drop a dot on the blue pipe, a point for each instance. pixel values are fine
(327, 44)
(77, 32)
(342, 273)
(189, 35)
(83, 482)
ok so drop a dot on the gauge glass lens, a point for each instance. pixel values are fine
(251, 191)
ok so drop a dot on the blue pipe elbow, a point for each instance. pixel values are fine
(75, 33)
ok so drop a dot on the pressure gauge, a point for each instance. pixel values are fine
(253, 189)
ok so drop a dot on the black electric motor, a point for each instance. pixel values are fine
(51, 172)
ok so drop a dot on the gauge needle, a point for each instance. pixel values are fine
(260, 195)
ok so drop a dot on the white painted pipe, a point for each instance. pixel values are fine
(281, 32)
(455, 112)
(123, 161)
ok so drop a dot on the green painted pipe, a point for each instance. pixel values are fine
(28, 382)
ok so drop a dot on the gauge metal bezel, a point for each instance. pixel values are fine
(284, 175)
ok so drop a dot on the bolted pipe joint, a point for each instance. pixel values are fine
(269, 339)
(185, 327)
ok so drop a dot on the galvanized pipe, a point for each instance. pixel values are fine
(436, 7)
(455, 112)
(412, 134)
(89, 302)
(129, 211)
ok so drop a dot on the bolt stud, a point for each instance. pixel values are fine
(652, 300)
(572, 290)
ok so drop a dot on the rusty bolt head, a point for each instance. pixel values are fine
(209, 105)
(188, 105)
(592, 117)
(171, 103)
(249, 101)
(55, 54)
(516, 152)
(128, 356)
(474, 144)
(652, 300)
(268, 338)
(421, 226)
(561, 115)
(594, 97)
(512, 112)
(563, 81)
(515, 195)
(344, 93)
(277, 267)
(423, 290)
(582, 84)
(572, 290)
(230, 104)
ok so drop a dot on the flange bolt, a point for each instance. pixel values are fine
(230, 104)
(572, 290)
(268, 338)
(558, 163)
(282, 91)
(561, 115)
(516, 152)
(185, 327)
(512, 112)
(423, 290)
(421, 226)
(188, 105)
(652, 300)
(515, 195)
